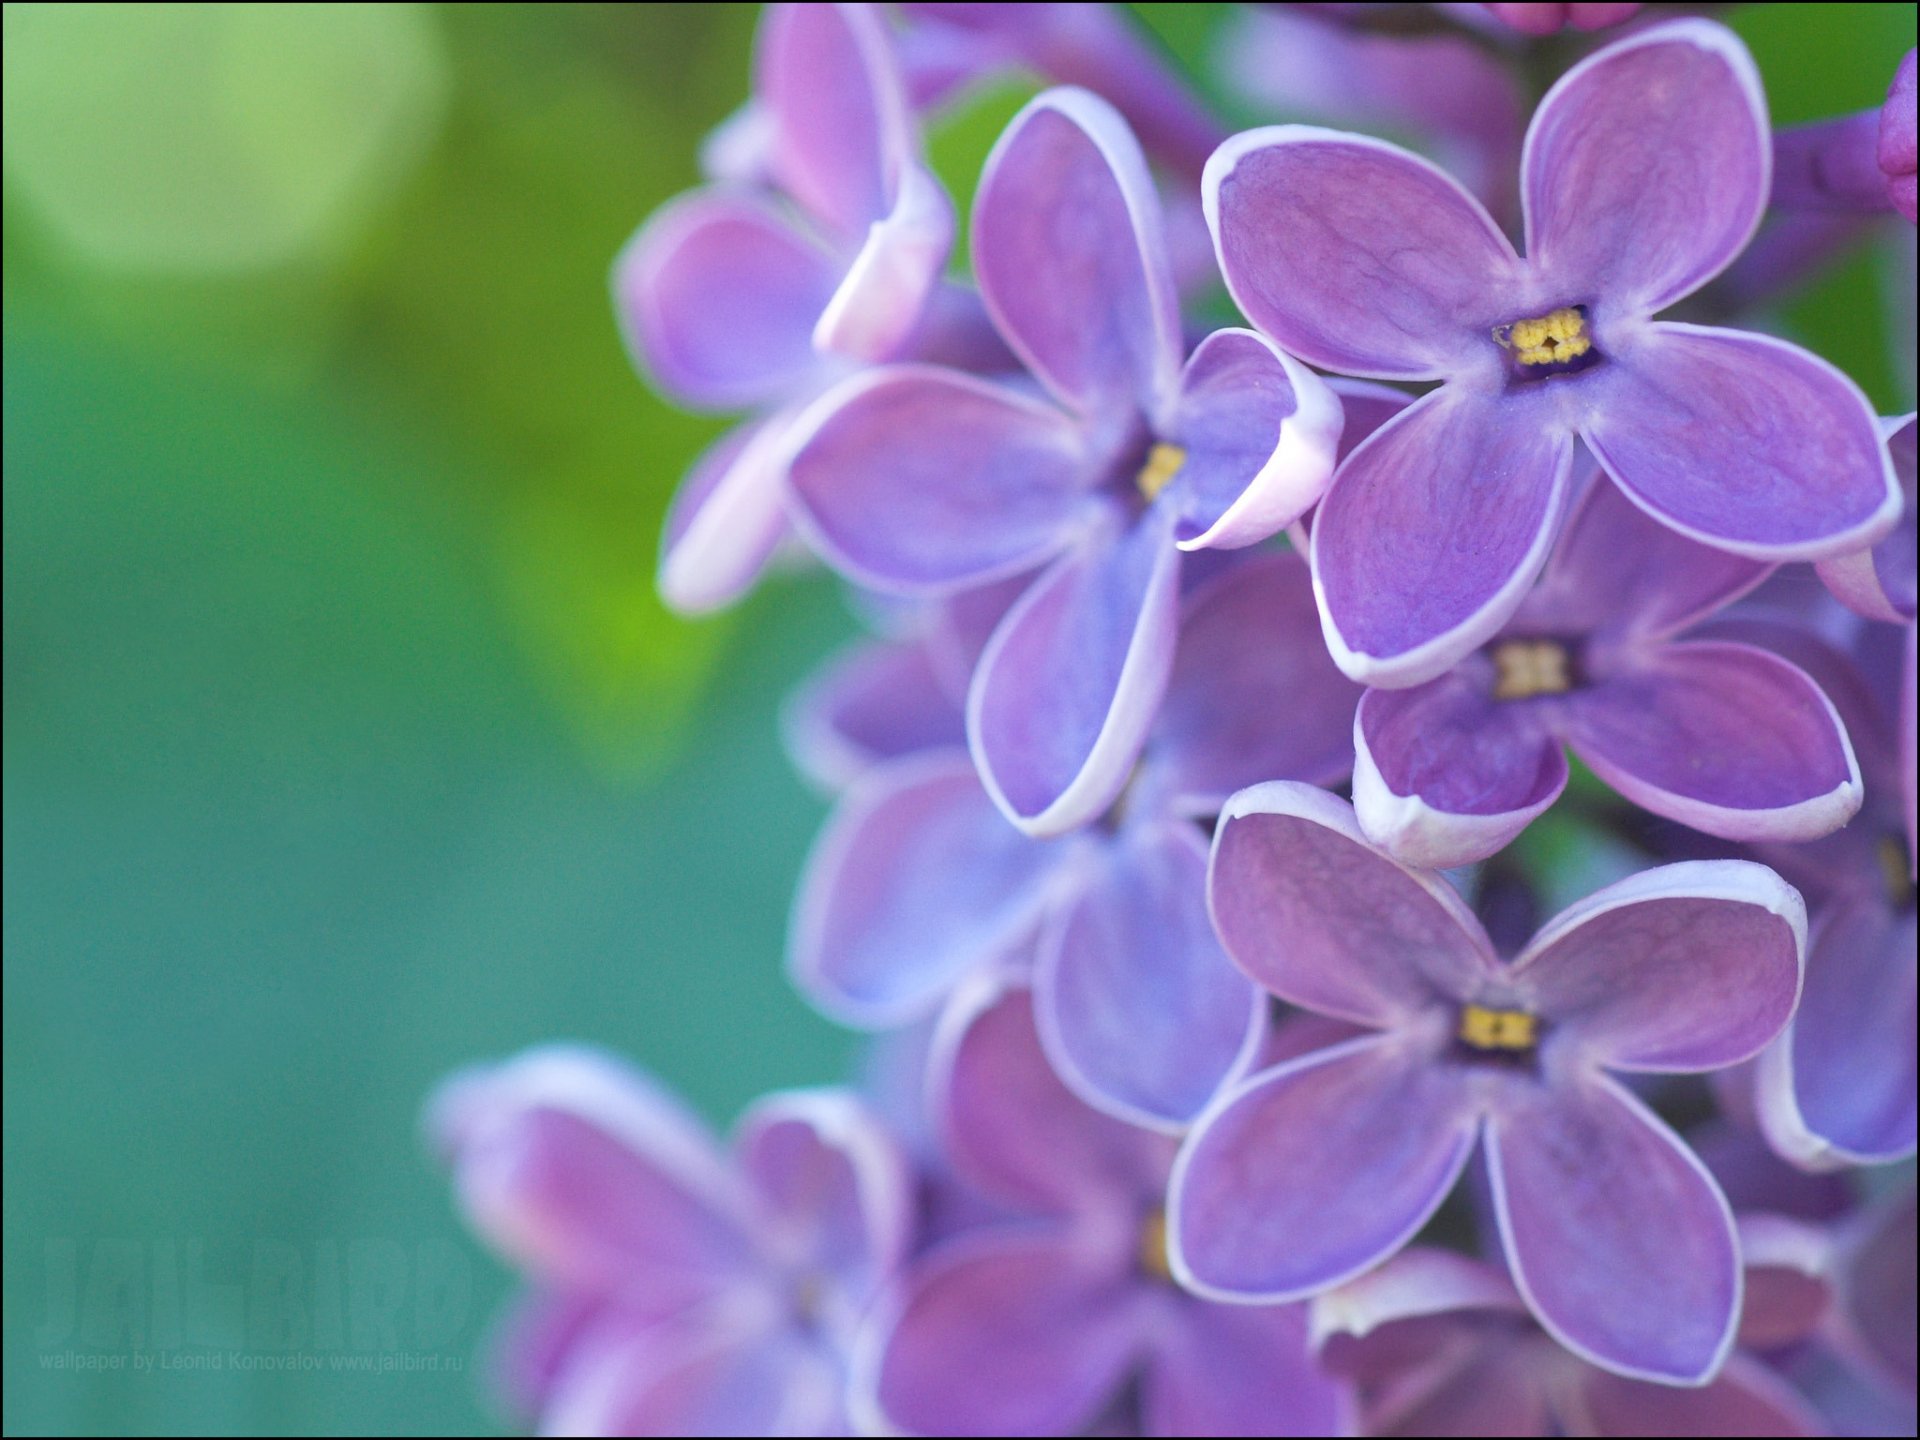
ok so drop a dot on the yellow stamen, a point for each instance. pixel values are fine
(1557, 336)
(1486, 1029)
(1525, 668)
(1163, 463)
(1153, 1247)
(1898, 872)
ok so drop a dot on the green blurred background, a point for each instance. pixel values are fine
(345, 741)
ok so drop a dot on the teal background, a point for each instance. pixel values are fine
(345, 742)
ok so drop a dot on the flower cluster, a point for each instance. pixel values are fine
(1197, 815)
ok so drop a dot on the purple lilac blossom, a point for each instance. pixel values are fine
(1645, 171)
(1440, 1345)
(925, 480)
(1722, 736)
(918, 880)
(737, 296)
(681, 1291)
(1036, 1325)
(1878, 582)
(1861, 162)
(1310, 1173)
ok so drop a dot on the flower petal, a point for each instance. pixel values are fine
(718, 295)
(1878, 1290)
(835, 1190)
(875, 701)
(1254, 695)
(1647, 168)
(1240, 1370)
(1316, 1170)
(1615, 1233)
(1742, 442)
(915, 880)
(1068, 686)
(1319, 917)
(1685, 967)
(1014, 1130)
(1839, 1086)
(915, 478)
(1445, 774)
(1433, 531)
(1878, 582)
(1789, 1289)
(1746, 1399)
(1259, 430)
(1001, 1333)
(586, 1174)
(1069, 249)
(1356, 255)
(727, 519)
(1725, 738)
(879, 301)
(1141, 1012)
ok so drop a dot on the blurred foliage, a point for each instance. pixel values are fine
(345, 739)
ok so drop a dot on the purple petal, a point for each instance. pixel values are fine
(1316, 915)
(531, 1344)
(1433, 531)
(1742, 442)
(1686, 967)
(1014, 1130)
(1615, 1233)
(1647, 168)
(875, 701)
(1002, 1333)
(1356, 255)
(1141, 1012)
(1419, 1282)
(877, 307)
(836, 1193)
(727, 519)
(1446, 774)
(919, 479)
(1312, 1172)
(1840, 1084)
(1068, 686)
(915, 880)
(1752, 1176)
(718, 295)
(1069, 250)
(1788, 1288)
(1877, 1290)
(1254, 695)
(1722, 737)
(1259, 430)
(1878, 582)
(586, 1175)
(1746, 1399)
(1618, 570)
(1240, 1370)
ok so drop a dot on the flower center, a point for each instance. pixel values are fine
(1526, 668)
(1153, 1247)
(1559, 342)
(1163, 463)
(1897, 871)
(1483, 1028)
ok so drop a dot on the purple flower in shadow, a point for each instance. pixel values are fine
(918, 880)
(1719, 735)
(685, 1291)
(919, 479)
(1036, 1326)
(1312, 1172)
(1645, 171)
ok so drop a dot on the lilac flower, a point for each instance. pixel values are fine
(730, 299)
(1441, 1345)
(1862, 162)
(919, 479)
(1309, 1173)
(686, 1292)
(1548, 19)
(1645, 171)
(1721, 736)
(1878, 582)
(918, 880)
(1035, 1327)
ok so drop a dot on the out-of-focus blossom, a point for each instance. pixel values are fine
(1862, 162)
(681, 1291)
(1308, 1174)
(1550, 19)
(1722, 736)
(1646, 170)
(1440, 1345)
(1036, 1326)
(918, 879)
(925, 480)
